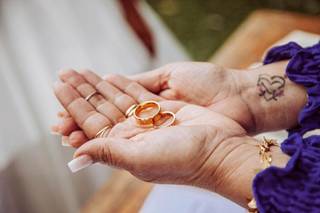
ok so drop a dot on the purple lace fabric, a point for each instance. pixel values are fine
(295, 188)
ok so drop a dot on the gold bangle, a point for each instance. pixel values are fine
(147, 121)
(266, 160)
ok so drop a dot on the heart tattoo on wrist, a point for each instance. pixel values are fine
(271, 86)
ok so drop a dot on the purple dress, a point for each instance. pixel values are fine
(295, 188)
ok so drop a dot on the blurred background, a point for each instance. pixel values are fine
(203, 26)
(39, 37)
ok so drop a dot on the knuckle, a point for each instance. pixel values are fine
(99, 102)
(90, 117)
(100, 85)
(132, 86)
(73, 103)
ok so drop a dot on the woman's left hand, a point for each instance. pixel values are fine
(176, 154)
(202, 148)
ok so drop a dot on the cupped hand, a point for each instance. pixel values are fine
(187, 153)
(203, 148)
(108, 107)
(175, 154)
(204, 84)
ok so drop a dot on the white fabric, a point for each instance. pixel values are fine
(38, 37)
(185, 199)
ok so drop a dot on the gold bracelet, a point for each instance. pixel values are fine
(265, 159)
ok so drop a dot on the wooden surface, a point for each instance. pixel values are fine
(262, 28)
(125, 194)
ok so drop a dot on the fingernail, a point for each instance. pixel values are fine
(73, 139)
(55, 133)
(64, 71)
(62, 114)
(65, 141)
(57, 84)
(79, 163)
(55, 130)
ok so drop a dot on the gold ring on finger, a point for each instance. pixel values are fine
(102, 132)
(91, 95)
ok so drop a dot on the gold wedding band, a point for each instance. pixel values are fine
(130, 111)
(101, 133)
(146, 106)
(164, 119)
(91, 95)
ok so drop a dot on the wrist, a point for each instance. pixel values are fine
(233, 176)
(273, 100)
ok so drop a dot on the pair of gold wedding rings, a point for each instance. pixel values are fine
(148, 114)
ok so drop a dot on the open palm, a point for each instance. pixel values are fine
(204, 84)
(176, 154)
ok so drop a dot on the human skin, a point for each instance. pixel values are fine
(233, 93)
(204, 148)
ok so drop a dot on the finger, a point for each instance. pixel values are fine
(87, 118)
(172, 106)
(81, 85)
(77, 138)
(132, 88)
(112, 151)
(121, 100)
(169, 94)
(67, 125)
(85, 89)
(63, 114)
(65, 141)
(154, 81)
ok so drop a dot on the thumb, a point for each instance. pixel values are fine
(116, 152)
(155, 81)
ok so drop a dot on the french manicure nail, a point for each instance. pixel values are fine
(55, 130)
(64, 71)
(55, 133)
(63, 114)
(57, 84)
(65, 141)
(79, 163)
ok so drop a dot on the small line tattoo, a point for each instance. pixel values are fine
(271, 87)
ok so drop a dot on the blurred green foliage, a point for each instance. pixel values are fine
(203, 25)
